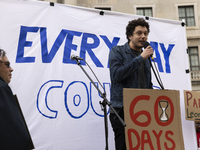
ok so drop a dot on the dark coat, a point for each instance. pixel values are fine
(13, 131)
(124, 72)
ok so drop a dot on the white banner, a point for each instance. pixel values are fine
(60, 105)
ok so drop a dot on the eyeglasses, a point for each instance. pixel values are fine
(7, 63)
(139, 33)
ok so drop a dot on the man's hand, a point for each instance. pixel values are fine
(147, 52)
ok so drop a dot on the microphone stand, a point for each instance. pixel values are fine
(104, 103)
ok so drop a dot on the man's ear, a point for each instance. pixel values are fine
(129, 37)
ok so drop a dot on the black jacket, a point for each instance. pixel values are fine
(13, 131)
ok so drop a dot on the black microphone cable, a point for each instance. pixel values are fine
(158, 80)
(145, 44)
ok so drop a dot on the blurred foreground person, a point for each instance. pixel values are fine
(14, 134)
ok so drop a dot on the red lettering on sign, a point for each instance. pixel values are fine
(189, 97)
(130, 139)
(148, 140)
(195, 103)
(199, 103)
(158, 138)
(169, 139)
(134, 116)
(145, 138)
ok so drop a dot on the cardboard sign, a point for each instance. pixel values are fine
(153, 119)
(192, 105)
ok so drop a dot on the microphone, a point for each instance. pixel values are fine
(145, 45)
(73, 57)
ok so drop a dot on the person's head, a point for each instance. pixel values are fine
(137, 32)
(5, 68)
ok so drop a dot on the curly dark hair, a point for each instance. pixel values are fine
(134, 23)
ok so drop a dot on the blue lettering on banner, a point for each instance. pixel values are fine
(166, 53)
(47, 57)
(75, 101)
(87, 99)
(109, 44)
(91, 96)
(23, 43)
(42, 104)
(69, 46)
(85, 46)
(156, 87)
(72, 102)
(79, 100)
(157, 59)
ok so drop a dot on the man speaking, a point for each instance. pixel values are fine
(129, 68)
